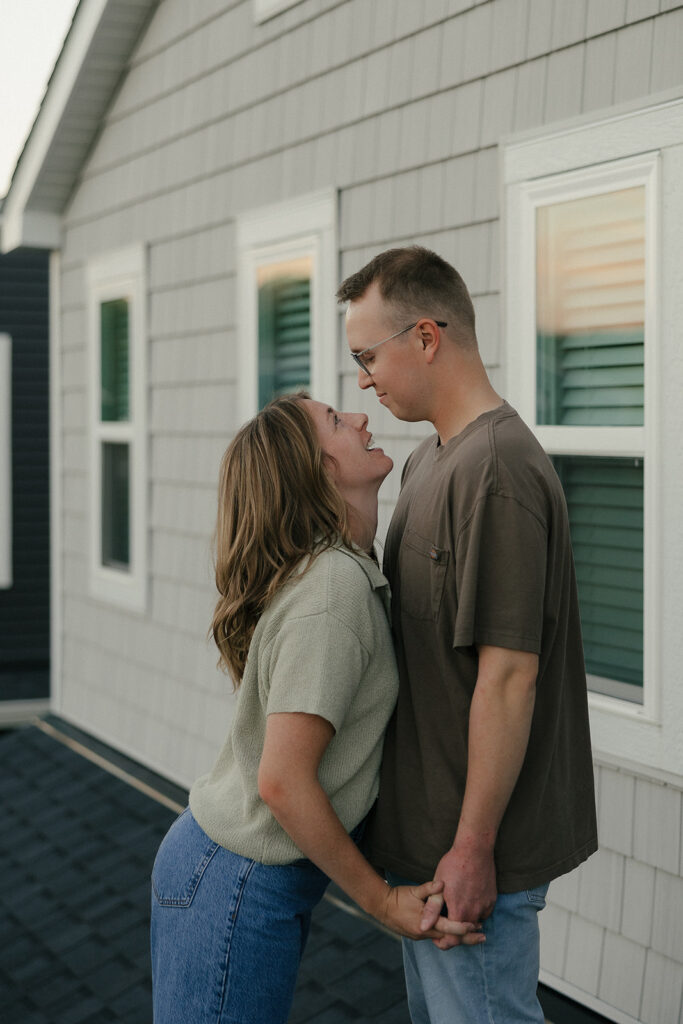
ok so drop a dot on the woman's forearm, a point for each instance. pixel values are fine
(288, 783)
(303, 809)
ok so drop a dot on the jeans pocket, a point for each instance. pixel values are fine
(537, 896)
(183, 857)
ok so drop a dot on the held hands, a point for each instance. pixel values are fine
(404, 911)
(469, 891)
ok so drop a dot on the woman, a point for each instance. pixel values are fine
(301, 626)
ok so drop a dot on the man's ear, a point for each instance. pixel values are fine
(430, 336)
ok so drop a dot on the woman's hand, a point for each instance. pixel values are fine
(402, 910)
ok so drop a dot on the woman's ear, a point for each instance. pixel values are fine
(330, 464)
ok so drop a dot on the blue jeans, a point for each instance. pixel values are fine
(227, 932)
(492, 983)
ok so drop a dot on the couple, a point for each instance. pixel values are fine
(485, 785)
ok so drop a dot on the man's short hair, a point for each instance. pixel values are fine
(416, 282)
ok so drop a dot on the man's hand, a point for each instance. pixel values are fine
(402, 912)
(468, 874)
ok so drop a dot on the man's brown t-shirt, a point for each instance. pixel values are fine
(478, 552)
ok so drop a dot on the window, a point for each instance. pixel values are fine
(116, 299)
(286, 286)
(284, 327)
(584, 270)
(6, 567)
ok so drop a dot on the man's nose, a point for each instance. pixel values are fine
(364, 380)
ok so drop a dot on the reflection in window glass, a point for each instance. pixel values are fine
(116, 505)
(605, 503)
(114, 359)
(284, 327)
(590, 310)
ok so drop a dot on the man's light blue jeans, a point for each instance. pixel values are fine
(492, 983)
(227, 932)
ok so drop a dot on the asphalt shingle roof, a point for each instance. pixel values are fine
(77, 845)
(76, 851)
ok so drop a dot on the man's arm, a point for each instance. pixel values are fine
(499, 725)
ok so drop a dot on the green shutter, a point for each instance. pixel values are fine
(284, 336)
(114, 358)
(116, 505)
(605, 503)
(591, 379)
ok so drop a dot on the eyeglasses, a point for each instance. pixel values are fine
(358, 357)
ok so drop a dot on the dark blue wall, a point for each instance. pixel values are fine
(25, 607)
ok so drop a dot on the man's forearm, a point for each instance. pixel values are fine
(500, 722)
(499, 725)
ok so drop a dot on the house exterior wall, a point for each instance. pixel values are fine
(400, 105)
(25, 592)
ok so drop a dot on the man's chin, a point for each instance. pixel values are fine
(406, 415)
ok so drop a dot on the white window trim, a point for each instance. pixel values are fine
(120, 274)
(6, 570)
(523, 197)
(264, 9)
(303, 227)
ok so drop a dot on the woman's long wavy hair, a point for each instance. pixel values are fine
(277, 505)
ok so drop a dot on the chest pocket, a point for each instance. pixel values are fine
(422, 567)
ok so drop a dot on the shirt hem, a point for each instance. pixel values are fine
(506, 882)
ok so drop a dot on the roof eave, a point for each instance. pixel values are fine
(32, 214)
(23, 225)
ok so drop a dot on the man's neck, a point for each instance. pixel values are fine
(458, 411)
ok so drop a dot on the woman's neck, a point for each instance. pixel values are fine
(362, 513)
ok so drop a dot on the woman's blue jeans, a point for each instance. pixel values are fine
(227, 932)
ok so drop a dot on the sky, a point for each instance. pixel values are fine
(31, 37)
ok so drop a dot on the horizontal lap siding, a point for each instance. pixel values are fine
(401, 105)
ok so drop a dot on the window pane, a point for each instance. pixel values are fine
(590, 310)
(116, 505)
(284, 292)
(605, 502)
(114, 359)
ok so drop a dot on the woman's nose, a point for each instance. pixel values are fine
(358, 419)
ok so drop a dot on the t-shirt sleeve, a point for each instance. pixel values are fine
(316, 665)
(500, 576)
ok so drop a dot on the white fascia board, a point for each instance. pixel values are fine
(18, 228)
(31, 228)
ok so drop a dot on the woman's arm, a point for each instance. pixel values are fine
(288, 782)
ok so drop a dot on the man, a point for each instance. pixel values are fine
(487, 780)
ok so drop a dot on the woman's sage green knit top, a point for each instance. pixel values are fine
(323, 646)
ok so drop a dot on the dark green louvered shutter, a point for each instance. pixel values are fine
(605, 502)
(591, 379)
(284, 336)
(114, 345)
